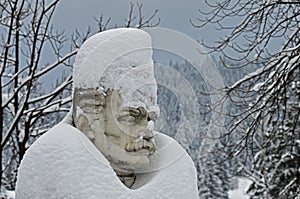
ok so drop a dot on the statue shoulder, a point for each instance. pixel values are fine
(163, 140)
(175, 167)
(58, 159)
(169, 151)
(55, 136)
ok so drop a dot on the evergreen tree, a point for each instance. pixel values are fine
(278, 163)
(268, 98)
(214, 178)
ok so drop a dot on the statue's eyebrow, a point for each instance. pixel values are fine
(138, 113)
(130, 111)
(123, 113)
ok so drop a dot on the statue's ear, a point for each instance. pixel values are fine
(83, 125)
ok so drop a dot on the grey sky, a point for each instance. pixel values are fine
(174, 14)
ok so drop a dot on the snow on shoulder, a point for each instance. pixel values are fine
(64, 163)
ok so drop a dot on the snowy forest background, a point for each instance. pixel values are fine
(258, 58)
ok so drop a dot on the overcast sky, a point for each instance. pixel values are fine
(174, 14)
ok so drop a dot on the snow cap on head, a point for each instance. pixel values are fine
(119, 59)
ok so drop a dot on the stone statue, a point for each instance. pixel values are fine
(122, 135)
(107, 147)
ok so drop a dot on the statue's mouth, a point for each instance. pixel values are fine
(141, 146)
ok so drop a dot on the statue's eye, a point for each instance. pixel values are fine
(142, 111)
(126, 118)
(129, 118)
(132, 115)
(135, 112)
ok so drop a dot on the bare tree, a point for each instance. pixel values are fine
(267, 123)
(135, 19)
(26, 33)
(28, 41)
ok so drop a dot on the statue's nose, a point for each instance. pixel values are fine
(146, 134)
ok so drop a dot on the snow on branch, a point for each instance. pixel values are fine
(37, 75)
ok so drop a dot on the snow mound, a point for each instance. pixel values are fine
(240, 192)
(64, 163)
(6, 194)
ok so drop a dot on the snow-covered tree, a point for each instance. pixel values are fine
(277, 165)
(264, 33)
(27, 42)
(214, 176)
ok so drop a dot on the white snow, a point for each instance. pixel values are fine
(240, 192)
(257, 86)
(119, 59)
(64, 163)
(7, 194)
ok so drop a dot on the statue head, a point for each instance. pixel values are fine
(115, 100)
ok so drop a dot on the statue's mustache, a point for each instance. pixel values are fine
(141, 145)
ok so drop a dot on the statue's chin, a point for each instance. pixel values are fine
(129, 162)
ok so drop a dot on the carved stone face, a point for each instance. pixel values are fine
(122, 134)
